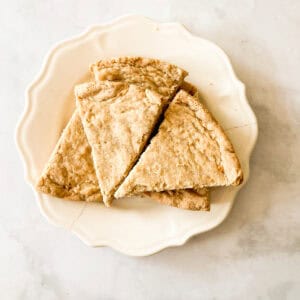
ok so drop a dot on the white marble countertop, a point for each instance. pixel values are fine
(254, 254)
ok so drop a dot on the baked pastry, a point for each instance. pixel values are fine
(153, 74)
(118, 119)
(194, 144)
(69, 173)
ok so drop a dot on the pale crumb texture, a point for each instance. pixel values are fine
(190, 151)
(69, 173)
(185, 199)
(148, 73)
(118, 119)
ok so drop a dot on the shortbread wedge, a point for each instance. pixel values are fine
(190, 151)
(153, 74)
(118, 119)
(69, 173)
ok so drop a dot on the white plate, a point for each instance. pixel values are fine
(133, 226)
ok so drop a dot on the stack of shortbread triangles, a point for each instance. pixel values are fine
(140, 129)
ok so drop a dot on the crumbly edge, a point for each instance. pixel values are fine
(92, 88)
(184, 199)
(230, 161)
(137, 61)
(47, 186)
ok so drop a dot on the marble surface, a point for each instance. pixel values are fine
(254, 254)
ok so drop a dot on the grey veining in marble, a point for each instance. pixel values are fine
(254, 254)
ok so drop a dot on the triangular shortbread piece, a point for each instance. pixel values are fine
(118, 119)
(69, 172)
(189, 151)
(149, 73)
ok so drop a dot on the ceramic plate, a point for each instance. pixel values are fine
(134, 226)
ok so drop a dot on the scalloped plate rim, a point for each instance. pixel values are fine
(178, 239)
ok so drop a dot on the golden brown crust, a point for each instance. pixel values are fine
(190, 88)
(194, 144)
(69, 173)
(185, 199)
(148, 73)
(229, 159)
